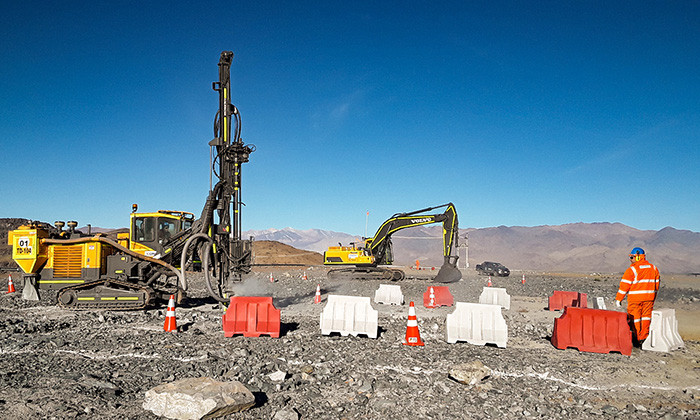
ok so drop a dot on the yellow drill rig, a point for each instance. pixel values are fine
(149, 262)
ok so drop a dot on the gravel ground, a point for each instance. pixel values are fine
(62, 364)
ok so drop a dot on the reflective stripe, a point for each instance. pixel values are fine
(637, 320)
(644, 266)
(635, 274)
(626, 281)
(412, 323)
(621, 292)
(60, 281)
(644, 318)
(647, 281)
(642, 292)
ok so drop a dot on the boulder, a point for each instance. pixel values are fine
(198, 398)
(470, 373)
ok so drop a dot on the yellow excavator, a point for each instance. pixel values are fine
(377, 250)
(149, 262)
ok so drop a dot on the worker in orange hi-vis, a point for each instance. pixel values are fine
(640, 283)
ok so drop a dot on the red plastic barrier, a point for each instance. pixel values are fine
(592, 330)
(443, 297)
(560, 299)
(251, 316)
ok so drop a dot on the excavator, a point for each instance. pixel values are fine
(149, 263)
(377, 250)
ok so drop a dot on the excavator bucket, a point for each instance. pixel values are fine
(448, 273)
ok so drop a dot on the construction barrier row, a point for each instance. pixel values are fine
(586, 329)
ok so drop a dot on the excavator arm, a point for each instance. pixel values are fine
(380, 244)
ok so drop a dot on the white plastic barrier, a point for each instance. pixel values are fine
(389, 294)
(495, 296)
(600, 303)
(663, 332)
(477, 323)
(349, 315)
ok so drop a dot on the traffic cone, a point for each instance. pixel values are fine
(412, 333)
(523, 282)
(272, 279)
(10, 285)
(317, 298)
(170, 321)
(432, 298)
(304, 276)
(489, 283)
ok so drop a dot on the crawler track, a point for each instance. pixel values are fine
(106, 295)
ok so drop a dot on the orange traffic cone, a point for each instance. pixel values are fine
(489, 283)
(317, 298)
(523, 282)
(304, 276)
(170, 321)
(412, 333)
(10, 285)
(272, 279)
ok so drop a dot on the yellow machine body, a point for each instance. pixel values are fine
(347, 255)
(27, 250)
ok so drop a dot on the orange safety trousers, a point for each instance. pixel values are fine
(641, 312)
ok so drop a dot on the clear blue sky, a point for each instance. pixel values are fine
(521, 113)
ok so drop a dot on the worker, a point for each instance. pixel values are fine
(640, 283)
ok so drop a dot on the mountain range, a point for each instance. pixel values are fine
(575, 247)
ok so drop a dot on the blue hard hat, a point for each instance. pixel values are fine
(637, 251)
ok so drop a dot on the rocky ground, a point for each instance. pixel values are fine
(60, 364)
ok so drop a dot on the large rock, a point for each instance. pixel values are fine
(470, 373)
(198, 398)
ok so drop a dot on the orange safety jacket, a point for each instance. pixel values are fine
(640, 282)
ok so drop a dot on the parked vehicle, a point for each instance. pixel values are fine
(492, 269)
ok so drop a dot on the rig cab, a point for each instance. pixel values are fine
(149, 233)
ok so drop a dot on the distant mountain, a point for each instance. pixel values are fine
(311, 240)
(576, 247)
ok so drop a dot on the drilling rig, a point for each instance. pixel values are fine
(149, 263)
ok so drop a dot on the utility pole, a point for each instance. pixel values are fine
(366, 220)
(465, 245)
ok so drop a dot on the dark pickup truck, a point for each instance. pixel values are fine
(492, 269)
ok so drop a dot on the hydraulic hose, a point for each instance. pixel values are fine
(207, 280)
(117, 246)
(185, 249)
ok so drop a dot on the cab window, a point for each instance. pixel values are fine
(144, 229)
(166, 229)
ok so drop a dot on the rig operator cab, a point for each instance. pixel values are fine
(150, 233)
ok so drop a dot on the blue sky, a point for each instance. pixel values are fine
(520, 113)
